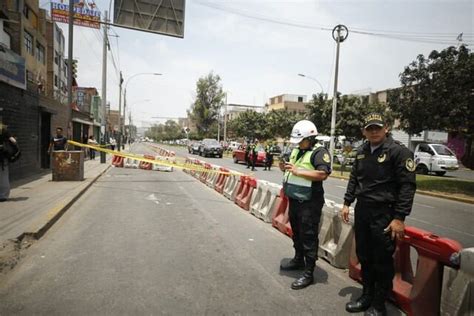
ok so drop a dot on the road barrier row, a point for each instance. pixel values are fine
(415, 293)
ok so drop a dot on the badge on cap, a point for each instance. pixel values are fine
(410, 165)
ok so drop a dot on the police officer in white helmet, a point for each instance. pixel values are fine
(307, 167)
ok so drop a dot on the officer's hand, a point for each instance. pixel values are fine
(345, 214)
(396, 228)
(291, 168)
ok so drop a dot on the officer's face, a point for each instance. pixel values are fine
(375, 134)
(305, 144)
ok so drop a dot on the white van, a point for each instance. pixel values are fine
(435, 158)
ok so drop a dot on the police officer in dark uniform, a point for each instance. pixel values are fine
(247, 154)
(383, 182)
(268, 156)
(253, 154)
(307, 167)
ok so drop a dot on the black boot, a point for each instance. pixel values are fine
(376, 311)
(297, 263)
(304, 280)
(363, 302)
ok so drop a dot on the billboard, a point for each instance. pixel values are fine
(12, 68)
(164, 17)
(84, 15)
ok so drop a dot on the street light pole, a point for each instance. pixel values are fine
(342, 33)
(125, 94)
(225, 120)
(119, 142)
(314, 79)
(104, 90)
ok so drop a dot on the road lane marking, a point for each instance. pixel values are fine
(424, 205)
(340, 186)
(439, 226)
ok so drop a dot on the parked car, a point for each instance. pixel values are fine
(210, 147)
(435, 158)
(239, 155)
(193, 148)
(233, 146)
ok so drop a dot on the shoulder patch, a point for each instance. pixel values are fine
(326, 158)
(410, 165)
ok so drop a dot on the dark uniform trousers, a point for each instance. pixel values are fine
(304, 220)
(375, 248)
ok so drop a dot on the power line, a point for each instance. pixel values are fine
(432, 38)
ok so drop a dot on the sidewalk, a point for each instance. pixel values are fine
(36, 203)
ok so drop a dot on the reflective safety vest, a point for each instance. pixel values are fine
(303, 163)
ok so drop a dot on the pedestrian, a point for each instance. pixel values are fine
(113, 143)
(247, 153)
(91, 141)
(58, 142)
(383, 182)
(268, 156)
(6, 140)
(253, 154)
(306, 169)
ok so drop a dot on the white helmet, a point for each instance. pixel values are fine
(301, 130)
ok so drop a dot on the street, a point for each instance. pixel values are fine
(143, 242)
(442, 217)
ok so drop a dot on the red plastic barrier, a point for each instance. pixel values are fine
(205, 173)
(243, 180)
(117, 161)
(280, 218)
(419, 293)
(146, 165)
(243, 200)
(221, 179)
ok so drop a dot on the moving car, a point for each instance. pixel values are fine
(193, 148)
(210, 147)
(435, 158)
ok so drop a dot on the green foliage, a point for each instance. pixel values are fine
(205, 108)
(350, 114)
(279, 123)
(445, 185)
(249, 124)
(168, 131)
(437, 92)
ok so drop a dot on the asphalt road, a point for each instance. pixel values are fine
(144, 242)
(445, 218)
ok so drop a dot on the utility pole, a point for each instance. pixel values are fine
(119, 143)
(124, 121)
(225, 120)
(104, 89)
(342, 33)
(69, 68)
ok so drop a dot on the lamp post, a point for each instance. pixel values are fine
(314, 79)
(125, 99)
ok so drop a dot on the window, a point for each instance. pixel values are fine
(29, 43)
(29, 76)
(26, 11)
(40, 53)
(300, 99)
(56, 57)
(55, 80)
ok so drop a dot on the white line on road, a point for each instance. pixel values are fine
(424, 205)
(442, 227)
(340, 186)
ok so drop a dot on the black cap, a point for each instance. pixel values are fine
(374, 119)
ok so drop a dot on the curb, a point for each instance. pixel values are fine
(429, 193)
(59, 211)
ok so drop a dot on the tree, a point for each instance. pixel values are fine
(249, 124)
(280, 122)
(437, 93)
(205, 108)
(168, 131)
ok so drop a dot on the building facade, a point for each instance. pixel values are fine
(291, 102)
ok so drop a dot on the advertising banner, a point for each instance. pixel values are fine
(12, 68)
(84, 15)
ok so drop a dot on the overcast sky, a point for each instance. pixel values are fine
(257, 58)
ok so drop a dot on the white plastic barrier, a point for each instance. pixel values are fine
(131, 163)
(158, 167)
(263, 207)
(257, 196)
(212, 176)
(230, 191)
(457, 294)
(335, 236)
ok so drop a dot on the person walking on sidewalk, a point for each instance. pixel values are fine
(93, 142)
(58, 142)
(383, 182)
(6, 139)
(307, 168)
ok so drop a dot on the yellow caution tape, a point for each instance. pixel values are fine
(185, 165)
